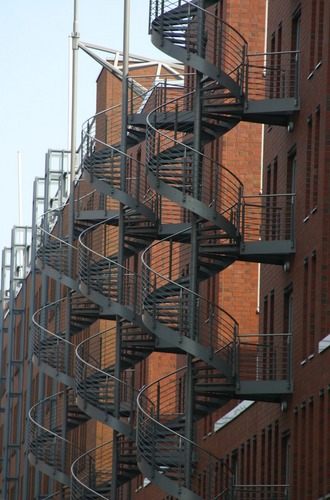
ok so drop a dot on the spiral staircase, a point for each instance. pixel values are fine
(143, 247)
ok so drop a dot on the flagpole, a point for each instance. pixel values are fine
(20, 210)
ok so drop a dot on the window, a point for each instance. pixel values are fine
(279, 83)
(308, 167)
(302, 454)
(234, 465)
(312, 305)
(290, 189)
(272, 226)
(276, 453)
(321, 445)
(254, 460)
(310, 490)
(296, 29)
(316, 160)
(263, 457)
(312, 39)
(265, 318)
(287, 328)
(320, 34)
(269, 454)
(285, 459)
(295, 47)
(305, 311)
(316, 35)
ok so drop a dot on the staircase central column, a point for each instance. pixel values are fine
(121, 243)
(193, 282)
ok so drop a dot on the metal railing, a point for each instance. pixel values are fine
(268, 217)
(272, 75)
(264, 357)
(261, 492)
(54, 252)
(96, 383)
(46, 441)
(220, 45)
(170, 160)
(87, 476)
(165, 266)
(92, 472)
(99, 269)
(49, 343)
(166, 297)
(165, 450)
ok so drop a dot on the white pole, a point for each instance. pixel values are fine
(125, 79)
(75, 40)
(20, 209)
(70, 92)
(262, 153)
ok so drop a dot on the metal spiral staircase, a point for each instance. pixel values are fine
(56, 330)
(131, 266)
(220, 360)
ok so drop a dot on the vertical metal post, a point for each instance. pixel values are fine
(296, 78)
(73, 147)
(236, 368)
(246, 86)
(29, 389)
(121, 237)
(292, 230)
(193, 284)
(14, 364)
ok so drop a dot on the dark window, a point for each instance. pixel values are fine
(310, 435)
(295, 47)
(305, 310)
(285, 458)
(320, 33)
(312, 305)
(321, 445)
(291, 189)
(312, 37)
(316, 159)
(308, 166)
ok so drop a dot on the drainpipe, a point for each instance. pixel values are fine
(262, 153)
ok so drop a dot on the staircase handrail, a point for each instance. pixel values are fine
(160, 8)
(78, 480)
(58, 438)
(108, 375)
(184, 442)
(188, 290)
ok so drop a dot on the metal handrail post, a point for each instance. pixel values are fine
(296, 82)
(241, 215)
(246, 99)
(289, 376)
(292, 221)
(237, 358)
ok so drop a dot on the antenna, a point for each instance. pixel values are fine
(20, 209)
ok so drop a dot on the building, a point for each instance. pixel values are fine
(289, 443)
(164, 329)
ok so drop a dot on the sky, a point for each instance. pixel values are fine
(34, 83)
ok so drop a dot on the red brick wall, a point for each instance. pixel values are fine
(305, 421)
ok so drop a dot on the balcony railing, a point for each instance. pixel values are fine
(272, 75)
(261, 492)
(264, 357)
(268, 217)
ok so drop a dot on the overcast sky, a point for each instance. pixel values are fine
(34, 59)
